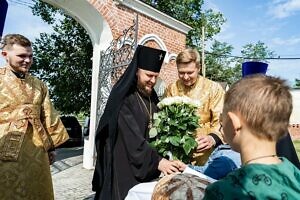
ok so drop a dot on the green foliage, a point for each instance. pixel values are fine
(223, 68)
(45, 11)
(297, 83)
(175, 126)
(297, 147)
(63, 60)
(219, 66)
(257, 52)
(191, 13)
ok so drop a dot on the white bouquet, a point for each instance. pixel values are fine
(174, 127)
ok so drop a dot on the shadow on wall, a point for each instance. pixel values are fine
(160, 87)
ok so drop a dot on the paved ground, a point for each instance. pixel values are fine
(70, 180)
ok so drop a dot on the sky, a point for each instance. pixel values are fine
(19, 19)
(273, 22)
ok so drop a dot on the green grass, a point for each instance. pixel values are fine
(297, 147)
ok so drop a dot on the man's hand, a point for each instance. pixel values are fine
(167, 167)
(51, 155)
(180, 165)
(205, 142)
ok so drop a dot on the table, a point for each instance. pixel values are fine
(143, 191)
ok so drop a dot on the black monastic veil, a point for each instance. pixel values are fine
(124, 157)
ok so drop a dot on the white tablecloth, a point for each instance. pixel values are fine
(142, 191)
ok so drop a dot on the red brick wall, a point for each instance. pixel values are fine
(120, 18)
(169, 72)
(294, 130)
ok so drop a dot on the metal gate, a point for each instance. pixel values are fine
(113, 62)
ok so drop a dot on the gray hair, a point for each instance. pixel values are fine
(180, 187)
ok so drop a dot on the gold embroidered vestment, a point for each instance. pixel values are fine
(211, 96)
(29, 127)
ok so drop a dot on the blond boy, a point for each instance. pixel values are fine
(255, 115)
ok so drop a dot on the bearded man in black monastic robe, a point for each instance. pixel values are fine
(124, 156)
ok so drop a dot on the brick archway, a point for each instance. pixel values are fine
(104, 21)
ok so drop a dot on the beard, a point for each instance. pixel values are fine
(19, 67)
(145, 89)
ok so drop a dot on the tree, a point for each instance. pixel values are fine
(63, 60)
(191, 13)
(297, 83)
(257, 52)
(70, 79)
(219, 65)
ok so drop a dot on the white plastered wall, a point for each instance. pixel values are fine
(100, 34)
(295, 116)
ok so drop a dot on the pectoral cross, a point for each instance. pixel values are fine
(150, 125)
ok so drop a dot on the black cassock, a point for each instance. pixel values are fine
(285, 148)
(124, 156)
(133, 160)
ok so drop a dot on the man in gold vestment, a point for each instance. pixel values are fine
(30, 128)
(210, 94)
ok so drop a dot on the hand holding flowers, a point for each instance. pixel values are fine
(205, 143)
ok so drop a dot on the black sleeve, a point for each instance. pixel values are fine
(216, 138)
(285, 148)
(142, 157)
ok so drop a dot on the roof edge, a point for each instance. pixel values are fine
(149, 11)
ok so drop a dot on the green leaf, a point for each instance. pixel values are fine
(175, 140)
(175, 130)
(182, 126)
(156, 116)
(152, 132)
(153, 144)
(187, 148)
(167, 140)
(172, 109)
(165, 129)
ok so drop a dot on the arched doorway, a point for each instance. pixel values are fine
(106, 20)
(101, 35)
